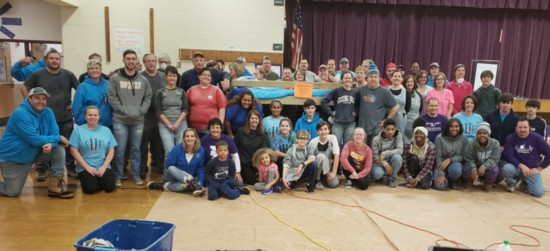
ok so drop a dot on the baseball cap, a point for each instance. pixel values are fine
(390, 66)
(344, 60)
(322, 66)
(241, 59)
(38, 90)
(434, 64)
(198, 54)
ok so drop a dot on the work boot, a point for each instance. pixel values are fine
(195, 186)
(58, 189)
(42, 175)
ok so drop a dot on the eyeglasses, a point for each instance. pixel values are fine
(302, 138)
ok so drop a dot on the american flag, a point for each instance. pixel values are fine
(297, 40)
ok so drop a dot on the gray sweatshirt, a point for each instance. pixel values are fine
(130, 97)
(381, 144)
(449, 148)
(476, 156)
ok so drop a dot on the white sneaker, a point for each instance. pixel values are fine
(319, 186)
(138, 181)
(118, 183)
(348, 184)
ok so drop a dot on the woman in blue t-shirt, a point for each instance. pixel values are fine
(237, 111)
(93, 147)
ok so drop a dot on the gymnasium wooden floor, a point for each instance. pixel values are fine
(336, 219)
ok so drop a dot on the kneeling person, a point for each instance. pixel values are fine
(481, 157)
(523, 151)
(419, 156)
(32, 135)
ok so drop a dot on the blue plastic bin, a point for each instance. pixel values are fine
(132, 235)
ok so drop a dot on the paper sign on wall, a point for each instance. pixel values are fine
(303, 90)
(129, 39)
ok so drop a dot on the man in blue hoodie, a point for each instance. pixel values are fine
(32, 136)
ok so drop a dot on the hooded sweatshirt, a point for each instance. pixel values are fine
(130, 97)
(450, 148)
(487, 98)
(92, 93)
(26, 132)
(381, 144)
(475, 155)
(309, 126)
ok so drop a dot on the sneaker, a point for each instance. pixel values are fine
(277, 189)
(293, 185)
(156, 185)
(124, 177)
(199, 192)
(348, 184)
(267, 191)
(319, 186)
(392, 184)
(511, 189)
(118, 183)
(71, 173)
(138, 180)
(311, 188)
(243, 190)
(42, 175)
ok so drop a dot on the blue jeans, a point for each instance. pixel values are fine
(343, 132)
(122, 133)
(15, 174)
(532, 183)
(396, 161)
(452, 173)
(170, 138)
(178, 180)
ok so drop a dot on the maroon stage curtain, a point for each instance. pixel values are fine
(415, 32)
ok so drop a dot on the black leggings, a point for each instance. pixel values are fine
(362, 183)
(91, 184)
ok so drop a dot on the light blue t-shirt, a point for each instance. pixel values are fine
(271, 127)
(93, 145)
(469, 124)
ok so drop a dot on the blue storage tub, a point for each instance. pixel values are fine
(132, 235)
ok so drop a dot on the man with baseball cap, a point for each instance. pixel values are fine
(344, 66)
(32, 136)
(434, 70)
(191, 77)
(242, 62)
(390, 69)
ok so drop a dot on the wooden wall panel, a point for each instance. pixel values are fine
(230, 56)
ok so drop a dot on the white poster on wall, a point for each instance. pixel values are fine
(129, 39)
(482, 65)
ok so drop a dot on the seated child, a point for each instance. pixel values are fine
(268, 172)
(299, 162)
(220, 174)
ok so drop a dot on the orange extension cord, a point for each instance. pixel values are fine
(441, 238)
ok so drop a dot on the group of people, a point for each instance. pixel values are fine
(435, 133)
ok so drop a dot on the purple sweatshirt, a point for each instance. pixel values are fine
(527, 150)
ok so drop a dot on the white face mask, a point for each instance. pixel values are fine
(163, 66)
